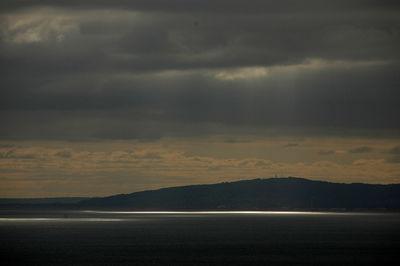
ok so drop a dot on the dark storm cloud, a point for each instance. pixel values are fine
(328, 99)
(153, 42)
(206, 6)
(135, 69)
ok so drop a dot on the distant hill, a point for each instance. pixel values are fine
(40, 201)
(259, 194)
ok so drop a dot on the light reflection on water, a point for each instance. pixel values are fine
(59, 220)
(147, 216)
(228, 212)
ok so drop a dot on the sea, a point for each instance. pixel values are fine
(90, 237)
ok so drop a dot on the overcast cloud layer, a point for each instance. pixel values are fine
(133, 69)
(105, 97)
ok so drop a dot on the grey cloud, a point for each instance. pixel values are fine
(7, 145)
(165, 41)
(231, 140)
(363, 149)
(214, 168)
(191, 155)
(126, 124)
(127, 73)
(64, 154)
(11, 155)
(393, 159)
(219, 6)
(312, 100)
(261, 164)
(394, 150)
(289, 145)
(326, 152)
(152, 155)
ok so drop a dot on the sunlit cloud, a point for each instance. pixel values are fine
(104, 168)
(243, 73)
(40, 26)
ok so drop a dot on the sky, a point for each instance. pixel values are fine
(106, 97)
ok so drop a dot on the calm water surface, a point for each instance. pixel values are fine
(198, 238)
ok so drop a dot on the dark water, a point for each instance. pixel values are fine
(102, 238)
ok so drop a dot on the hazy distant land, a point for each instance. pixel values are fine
(258, 194)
